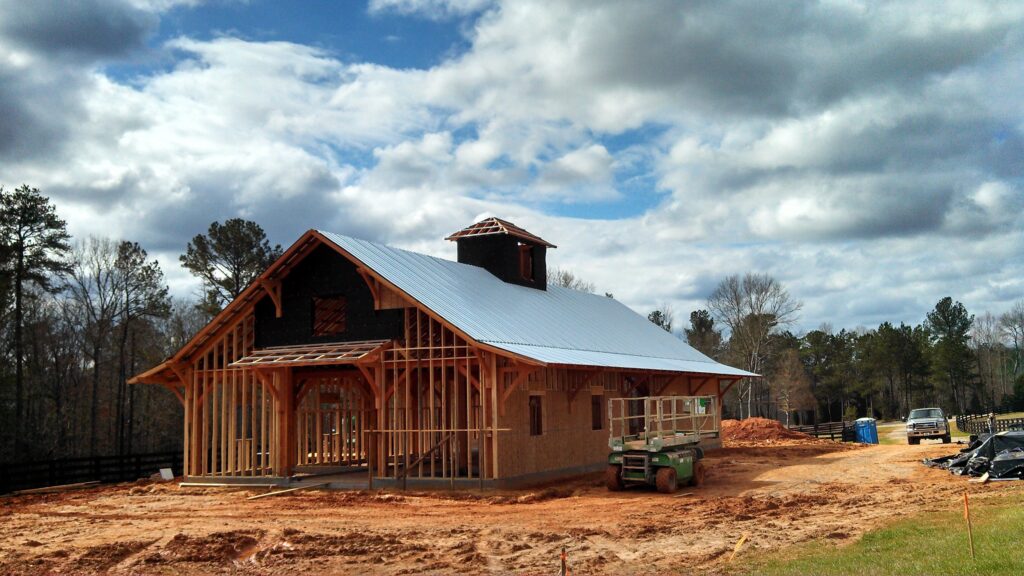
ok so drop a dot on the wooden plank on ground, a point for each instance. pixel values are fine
(296, 489)
(60, 488)
(225, 485)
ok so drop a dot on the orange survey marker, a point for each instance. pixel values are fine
(967, 517)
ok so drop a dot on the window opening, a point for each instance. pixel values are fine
(526, 261)
(330, 315)
(536, 416)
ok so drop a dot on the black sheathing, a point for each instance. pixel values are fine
(323, 272)
(499, 255)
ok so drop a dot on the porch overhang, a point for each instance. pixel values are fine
(331, 354)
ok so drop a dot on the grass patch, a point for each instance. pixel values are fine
(926, 544)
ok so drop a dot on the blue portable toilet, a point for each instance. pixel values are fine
(867, 431)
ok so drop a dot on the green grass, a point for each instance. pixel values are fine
(926, 544)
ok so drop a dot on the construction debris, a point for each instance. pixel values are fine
(998, 456)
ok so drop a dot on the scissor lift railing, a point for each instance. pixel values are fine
(655, 422)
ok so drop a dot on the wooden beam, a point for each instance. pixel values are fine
(394, 385)
(267, 378)
(365, 370)
(638, 383)
(462, 368)
(289, 490)
(728, 386)
(668, 383)
(519, 379)
(586, 380)
(372, 284)
(273, 288)
(173, 388)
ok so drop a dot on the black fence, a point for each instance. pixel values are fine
(981, 423)
(830, 430)
(42, 473)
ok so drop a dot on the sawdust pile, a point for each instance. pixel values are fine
(761, 429)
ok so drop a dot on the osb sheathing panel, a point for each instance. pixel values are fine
(568, 439)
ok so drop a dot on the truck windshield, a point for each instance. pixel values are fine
(925, 413)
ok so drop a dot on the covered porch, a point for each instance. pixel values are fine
(424, 407)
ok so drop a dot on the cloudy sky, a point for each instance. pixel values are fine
(869, 155)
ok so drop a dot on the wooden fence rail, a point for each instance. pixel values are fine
(830, 430)
(41, 473)
(979, 423)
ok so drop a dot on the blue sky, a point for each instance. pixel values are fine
(867, 154)
(346, 29)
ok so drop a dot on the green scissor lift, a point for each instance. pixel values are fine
(656, 440)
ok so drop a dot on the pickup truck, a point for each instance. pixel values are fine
(927, 423)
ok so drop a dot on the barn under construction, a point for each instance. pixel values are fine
(349, 355)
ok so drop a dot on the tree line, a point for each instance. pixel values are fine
(951, 359)
(78, 318)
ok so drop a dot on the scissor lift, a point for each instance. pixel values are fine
(655, 440)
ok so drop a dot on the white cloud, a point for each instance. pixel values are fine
(867, 156)
(436, 9)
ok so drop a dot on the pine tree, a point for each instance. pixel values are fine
(35, 244)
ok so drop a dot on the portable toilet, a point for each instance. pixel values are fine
(867, 431)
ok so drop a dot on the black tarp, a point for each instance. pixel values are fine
(1000, 454)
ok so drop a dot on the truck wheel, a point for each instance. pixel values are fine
(913, 440)
(613, 478)
(698, 474)
(946, 439)
(666, 480)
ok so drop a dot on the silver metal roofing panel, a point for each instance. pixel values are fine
(556, 326)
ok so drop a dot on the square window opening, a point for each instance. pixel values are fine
(330, 315)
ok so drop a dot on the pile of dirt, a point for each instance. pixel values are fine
(760, 429)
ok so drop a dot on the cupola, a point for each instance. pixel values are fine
(505, 250)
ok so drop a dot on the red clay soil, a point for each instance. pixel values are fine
(760, 429)
(778, 494)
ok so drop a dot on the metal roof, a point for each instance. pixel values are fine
(556, 326)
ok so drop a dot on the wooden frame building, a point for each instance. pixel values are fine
(351, 355)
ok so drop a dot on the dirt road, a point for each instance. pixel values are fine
(779, 494)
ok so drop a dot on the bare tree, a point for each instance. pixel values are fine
(752, 307)
(94, 288)
(568, 279)
(1012, 325)
(791, 384)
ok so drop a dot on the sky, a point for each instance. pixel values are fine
(869, 155)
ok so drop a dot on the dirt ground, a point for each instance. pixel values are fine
(777, 492)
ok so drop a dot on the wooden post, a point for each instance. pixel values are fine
(967, 517)
(494, 414)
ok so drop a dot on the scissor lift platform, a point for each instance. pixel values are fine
(655, 440)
